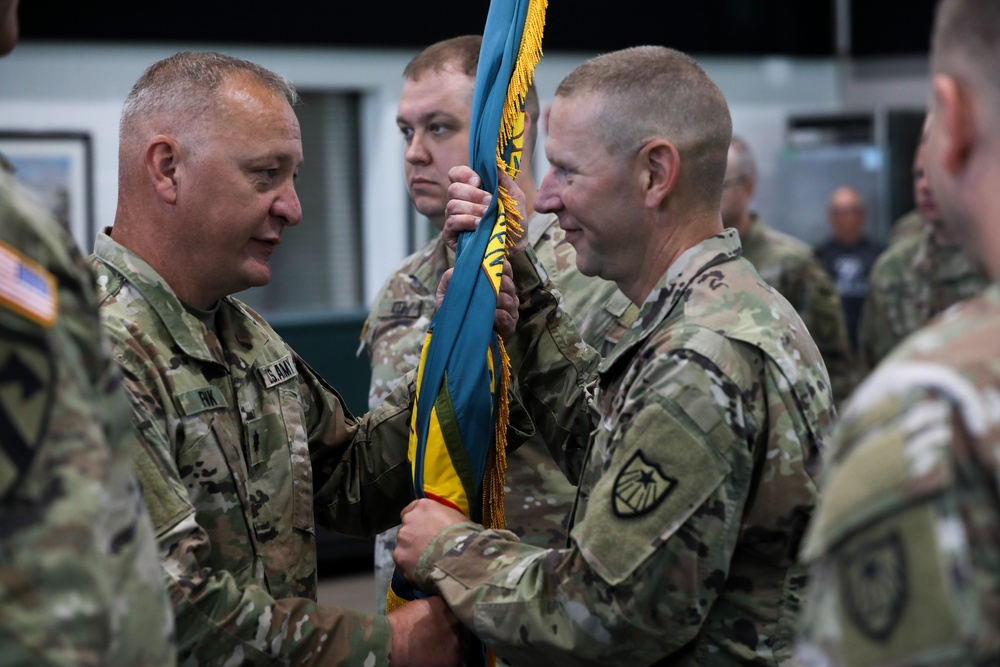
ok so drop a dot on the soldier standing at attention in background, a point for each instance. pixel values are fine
(905, 546)
(789, 266)
(921, 274)
(80, 580)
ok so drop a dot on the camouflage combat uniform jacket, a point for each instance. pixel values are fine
(904, 548)
(538, 497)
(696, 484)
(79, 577)
(789, 266)
(912, 281)
(909, 223)
(241, 446)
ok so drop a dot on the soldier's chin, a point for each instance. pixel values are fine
(257, 275)
(432, 208)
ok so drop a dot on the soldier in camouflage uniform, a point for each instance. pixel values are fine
(905, 546)
(695, 445)
(242, 446)
(438, 91)
(920, 275)
(79, 580)
(909, 223)
(789, 266)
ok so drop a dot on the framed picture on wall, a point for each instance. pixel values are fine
(56, 168)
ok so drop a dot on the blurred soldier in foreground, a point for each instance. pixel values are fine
(905, 548)
(80, 581)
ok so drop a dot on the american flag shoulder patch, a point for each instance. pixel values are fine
(26, 287)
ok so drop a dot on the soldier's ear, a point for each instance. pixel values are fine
(660, 163)
(162, 158)
(956, 121)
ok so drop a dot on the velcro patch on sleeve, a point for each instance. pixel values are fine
(399, 308)
(26, 287)
(27, 392)
(900, 595)
(661, 474)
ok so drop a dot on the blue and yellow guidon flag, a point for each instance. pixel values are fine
(457, 436)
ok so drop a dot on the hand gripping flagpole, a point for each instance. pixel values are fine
(458, 429)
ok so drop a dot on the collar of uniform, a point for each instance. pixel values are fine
(187, 330)
(538, 226)
(430, 262)
(672, 287)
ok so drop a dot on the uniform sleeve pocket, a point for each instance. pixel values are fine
(893, 571)
(661, 473)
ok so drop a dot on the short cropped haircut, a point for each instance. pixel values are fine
(176, 93)
(655, 92)
(185, 85)
(461, 52)
(969, 29)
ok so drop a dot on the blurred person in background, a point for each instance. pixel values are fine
(921, 273)
(789, 266)
(849, 254)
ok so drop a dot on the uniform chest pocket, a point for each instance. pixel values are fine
(214, 476)
(277, 454)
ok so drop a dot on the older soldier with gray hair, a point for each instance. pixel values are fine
(79, 581)
(242, 446)
(905, 547)
(694, 441)
(789, 266)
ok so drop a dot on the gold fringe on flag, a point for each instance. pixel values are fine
(529, 53)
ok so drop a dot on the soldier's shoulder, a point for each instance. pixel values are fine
(898, 257)
(953, 358)
(701, 338)
(787, 262)
(777, 246)
(910, 223)
(788, 246)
